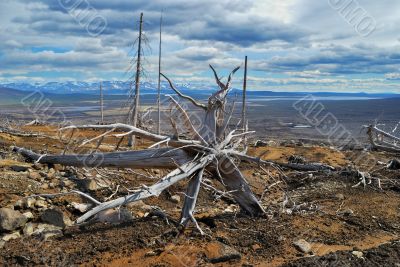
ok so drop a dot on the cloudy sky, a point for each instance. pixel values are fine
(292, 45)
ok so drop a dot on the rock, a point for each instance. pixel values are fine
(230, 209)
(218, 252)
(347, 212)
(29, 203)
(40, 203)
(45, 186)
(67, 183)
(260, 143)
(176, 199)
(11, 236)
(58, 167)
(81, 207)
(302, 246)
(25, 203)
(38, 166)
(19, 168)
(89, 184)
(358, 254)
(11, 219)
(139, 205)
(45, 231)
(28, 215)
(51, 173)
(2, 243)
(56, 217)
(34, 175)
(394, 164)
(114, 216)
(28, 229)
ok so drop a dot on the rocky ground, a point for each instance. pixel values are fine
(312, 219)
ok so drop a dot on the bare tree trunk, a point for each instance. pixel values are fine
(244, 124)
(159, 83)
(101, 104)
(137, 83)
(165, 158)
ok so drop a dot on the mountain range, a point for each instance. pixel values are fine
(123, 88)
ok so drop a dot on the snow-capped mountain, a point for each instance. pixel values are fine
(109, 87)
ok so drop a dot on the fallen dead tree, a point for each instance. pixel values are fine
(381, 140)
(210, 148)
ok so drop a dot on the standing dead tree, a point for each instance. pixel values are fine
(135, 105)
(381, 140)
(210, 148)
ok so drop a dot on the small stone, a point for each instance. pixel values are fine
(347, 212)
(49, 234)
(40, 203)
(114, 216)
(45, 186)
(176, 199)
(28, 229)
(51, 173)
(358, 254)
(11, 236)
(230, 209)
(81, 207)
(28, 215)
(29, 202)
(58, 167)
(38, 166)
(11, 219)
(67, 183)
(45, 231)
(34, 175)
(219, 252)
(19, 168)
(303, 246)
(2, 243)
(89, 184)
(56, 217)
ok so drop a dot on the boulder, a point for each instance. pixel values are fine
(12, 236)
(56, 217)
(11, 219)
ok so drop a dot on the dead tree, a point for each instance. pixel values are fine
(101, 104)
(209, 148)
(159, 82)
(135, 108)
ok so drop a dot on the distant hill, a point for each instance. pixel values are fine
(11, 96)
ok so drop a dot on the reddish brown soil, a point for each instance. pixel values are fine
(373, 227)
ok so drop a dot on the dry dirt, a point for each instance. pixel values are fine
(324, 209)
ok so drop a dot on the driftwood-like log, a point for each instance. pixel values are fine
(164, 158)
